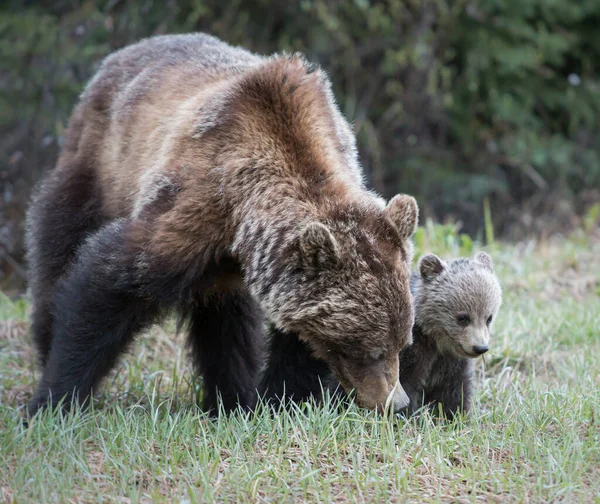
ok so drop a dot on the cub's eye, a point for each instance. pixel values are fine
(463, 319)
(489, 320)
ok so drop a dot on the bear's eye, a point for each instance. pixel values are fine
(463, 319)
(489, 320)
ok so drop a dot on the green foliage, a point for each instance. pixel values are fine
(442, 239)
(531, 87)
(591, 220)
(489, 227)
(12, 310)
(454, 102)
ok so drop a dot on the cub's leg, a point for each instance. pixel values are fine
(416, 396)
(292, 373)
(97, 307)
(226, 335)
(454, 388)
(61, 214)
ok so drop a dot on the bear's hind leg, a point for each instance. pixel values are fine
(61, 214)
(97, 308)
(226, 336)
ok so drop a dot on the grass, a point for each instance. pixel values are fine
(534, 435)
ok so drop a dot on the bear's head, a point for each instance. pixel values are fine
(347, 295)
(457, 302)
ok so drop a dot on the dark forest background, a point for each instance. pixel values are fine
(466, 104)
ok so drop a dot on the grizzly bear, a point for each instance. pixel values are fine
(203, 179)
(455, 305)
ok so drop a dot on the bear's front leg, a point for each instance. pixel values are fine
(292, 372)
(97, 308)
(453, 389)
(226, 336)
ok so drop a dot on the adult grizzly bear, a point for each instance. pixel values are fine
(225, 185)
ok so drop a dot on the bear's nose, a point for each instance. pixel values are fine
(480, 349)
(400, 398)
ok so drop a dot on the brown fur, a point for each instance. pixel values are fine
(436, 370)
(236, 173)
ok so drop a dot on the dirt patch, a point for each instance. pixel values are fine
(14, 334)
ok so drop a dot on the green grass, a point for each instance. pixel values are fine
(533, 436)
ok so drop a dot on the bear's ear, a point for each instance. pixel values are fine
(318, 245)
(484, 260)
(402, 211)
(430, 266)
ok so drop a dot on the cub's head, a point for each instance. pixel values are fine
(457, 302)
(347, 296)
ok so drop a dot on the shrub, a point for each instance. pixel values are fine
(456, 102)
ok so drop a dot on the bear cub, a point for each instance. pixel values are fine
(455, 304)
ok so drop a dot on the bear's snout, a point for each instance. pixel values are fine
(375, 382)
(400, 399)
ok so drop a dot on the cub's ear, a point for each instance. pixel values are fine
(430, 266)
(484, 260)
(402, 211)
(318, 246)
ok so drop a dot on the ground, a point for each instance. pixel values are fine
(534, 435)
